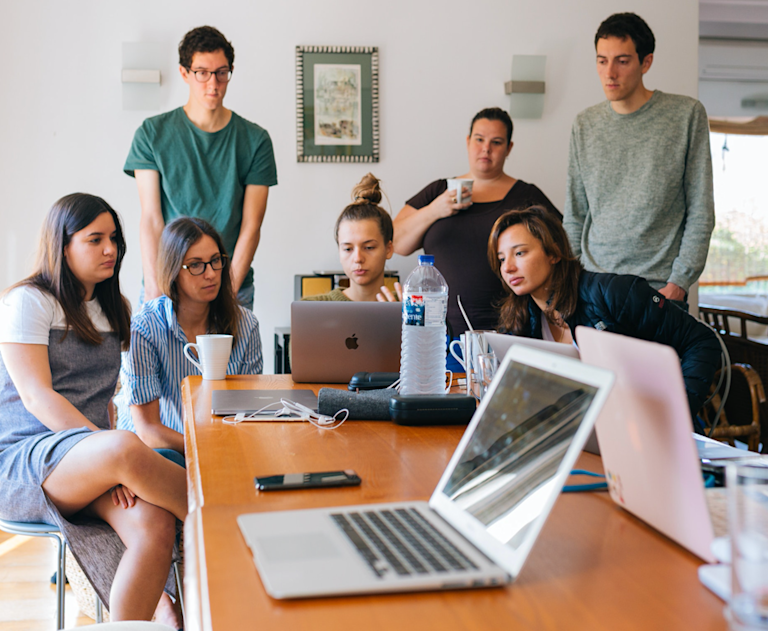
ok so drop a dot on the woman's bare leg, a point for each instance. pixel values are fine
(106, 459)
(148, 533)
(168, 612)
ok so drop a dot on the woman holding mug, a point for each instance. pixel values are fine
(61, 330)
(549, 294)
(456, 234)
(197, 300)
(364, 235)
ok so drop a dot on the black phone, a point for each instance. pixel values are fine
(307, 480)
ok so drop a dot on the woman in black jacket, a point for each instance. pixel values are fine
(550, 294)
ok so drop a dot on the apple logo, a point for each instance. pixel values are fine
(351, 342)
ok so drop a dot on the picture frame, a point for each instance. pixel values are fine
(337, 104)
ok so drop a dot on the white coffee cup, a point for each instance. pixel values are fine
(458, 185)
(213, 351)
(472, 344)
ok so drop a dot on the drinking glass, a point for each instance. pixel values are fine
(747, 489)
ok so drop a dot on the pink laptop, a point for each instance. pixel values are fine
(645, 435)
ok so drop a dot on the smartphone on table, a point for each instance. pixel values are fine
(307, 480)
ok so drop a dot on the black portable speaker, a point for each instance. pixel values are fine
(432, 409)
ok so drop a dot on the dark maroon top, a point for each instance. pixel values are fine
(460, 244)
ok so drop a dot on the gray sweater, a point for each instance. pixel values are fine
(639, 197)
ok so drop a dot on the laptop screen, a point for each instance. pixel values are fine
(505, 475)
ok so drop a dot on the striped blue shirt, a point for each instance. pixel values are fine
(155, 365)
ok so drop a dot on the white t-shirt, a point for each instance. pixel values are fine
(27, 316)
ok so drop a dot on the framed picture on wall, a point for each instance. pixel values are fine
(337, 104)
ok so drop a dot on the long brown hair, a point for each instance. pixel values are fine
(52, 275)
(366, 196)
(178, 236)
(547, 229)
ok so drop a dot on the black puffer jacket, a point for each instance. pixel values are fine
(630, 306)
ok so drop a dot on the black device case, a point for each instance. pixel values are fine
(432, 409)
(372, 380)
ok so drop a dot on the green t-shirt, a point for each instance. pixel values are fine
(204, 174)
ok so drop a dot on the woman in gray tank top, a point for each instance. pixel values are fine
(61, 330)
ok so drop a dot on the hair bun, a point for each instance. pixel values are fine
(367, 191)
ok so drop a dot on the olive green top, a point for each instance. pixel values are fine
(335, 295)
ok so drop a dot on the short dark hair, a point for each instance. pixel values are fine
(204, 39)
(494, 114)
(178, 236)
(628, 25)
(366, 196)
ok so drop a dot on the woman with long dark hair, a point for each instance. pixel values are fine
(197, 299)
(549, 294)
(61, 332)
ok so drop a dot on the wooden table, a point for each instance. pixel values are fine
(593, 567)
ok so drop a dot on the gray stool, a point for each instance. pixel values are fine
(30, 529)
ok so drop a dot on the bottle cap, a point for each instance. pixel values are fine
(426, 259)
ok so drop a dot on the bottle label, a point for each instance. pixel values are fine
(419, 310)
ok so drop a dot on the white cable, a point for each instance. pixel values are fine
(242, 416)
(725, 363)
(321, 421)
(291, 408)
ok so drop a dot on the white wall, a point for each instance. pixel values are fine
(62, 128)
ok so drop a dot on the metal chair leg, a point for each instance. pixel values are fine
(99, 612)
(61, 581)
(180, 589)
(30, 529)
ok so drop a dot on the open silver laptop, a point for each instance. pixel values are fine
(331, 341)
(482, 519)
(646, 442)
(501, 343)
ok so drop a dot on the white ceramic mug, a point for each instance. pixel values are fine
(213, 351)
(456, 184)
(472, 344)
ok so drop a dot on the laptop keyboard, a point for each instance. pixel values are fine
(401, 541)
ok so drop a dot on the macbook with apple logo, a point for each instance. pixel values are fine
(331, 341)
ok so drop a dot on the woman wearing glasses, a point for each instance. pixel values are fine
(197, 299)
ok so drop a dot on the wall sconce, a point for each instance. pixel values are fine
(526, 89)
(141, 83)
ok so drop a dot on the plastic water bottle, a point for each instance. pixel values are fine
(422, 353)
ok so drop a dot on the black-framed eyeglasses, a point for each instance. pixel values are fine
(223, 75)
(198, 267)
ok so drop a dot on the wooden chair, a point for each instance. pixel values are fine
(741, 417)
(742, 349)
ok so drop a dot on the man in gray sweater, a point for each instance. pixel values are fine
(639, 197)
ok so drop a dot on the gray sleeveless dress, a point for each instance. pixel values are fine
(86, 376)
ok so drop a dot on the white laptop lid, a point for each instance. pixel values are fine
(501, 343)
(331, 341)
(646, 442)
(518, 450)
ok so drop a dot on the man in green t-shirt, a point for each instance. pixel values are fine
(203, 160)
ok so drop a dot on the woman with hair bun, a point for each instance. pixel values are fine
(364, 235)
